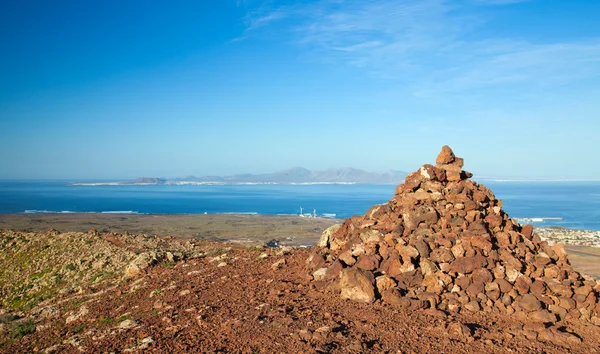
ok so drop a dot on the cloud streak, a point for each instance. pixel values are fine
(429, 45)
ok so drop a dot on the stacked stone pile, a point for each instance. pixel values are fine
(444, 242)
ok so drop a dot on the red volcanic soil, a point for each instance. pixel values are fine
(245, 303)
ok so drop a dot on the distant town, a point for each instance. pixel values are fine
(555, 235)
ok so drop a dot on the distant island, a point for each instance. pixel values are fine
(296, 175)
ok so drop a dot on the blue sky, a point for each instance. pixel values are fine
(121, 89)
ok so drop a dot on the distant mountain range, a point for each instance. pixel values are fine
(296, 175)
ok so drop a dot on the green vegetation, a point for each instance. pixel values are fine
(98, 275)
(23, 329)
(70, 267)
(168, 264)
(106, 321)
(42, 273)
(27, 302)
(79, 328)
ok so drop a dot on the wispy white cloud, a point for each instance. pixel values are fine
(427, 44)
(259, 19)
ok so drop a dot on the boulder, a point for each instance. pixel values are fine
(529, 303)
(357, 284)
(327, 235)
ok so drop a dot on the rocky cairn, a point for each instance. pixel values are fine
(444, 242)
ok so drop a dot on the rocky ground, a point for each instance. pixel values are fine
(262, 301)
(35, 267)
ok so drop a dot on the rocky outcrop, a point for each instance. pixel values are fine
(40, 266)
(443, 241)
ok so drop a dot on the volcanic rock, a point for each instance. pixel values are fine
(357, 284)
(443, 241)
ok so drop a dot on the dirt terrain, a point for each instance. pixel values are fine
(585, 259)
(229, 298)
(261, 301)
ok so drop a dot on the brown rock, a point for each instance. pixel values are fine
(408, 253)
(542, 316)
(473, 306)
(510, 261)
(320, 274)
(460, 330)
(482, 276)
(394, 298)
(559, 311)
(475, 289)
(370, 236)
(458, 251)
(527, 231)
(409, 280)
(411, 183)
(446, 156)
(558, 288)
(494, 220)
(542, 259)
(334, 270)
(538, 287)
(554, 336)
(357, 285)
(522, 285)
(453, 173)
(499, 271)
(493, 294)
(512, 274)
(467, 265)
(315, 261)
(347, 258)
(560, 251)
(383, 283)
(367, 262)
(422, 214)
(503, 239)
(463, 281)
(392, 265)
(428, 267)
(530, 303)
(327, 235)
(423, 248)
(441, 255)
(428, 172)
(566, 303)
(440, 174)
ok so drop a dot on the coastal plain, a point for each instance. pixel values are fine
(245, 229)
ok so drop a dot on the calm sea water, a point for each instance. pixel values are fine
(578, 203)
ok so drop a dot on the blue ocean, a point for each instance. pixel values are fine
(576, 203)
